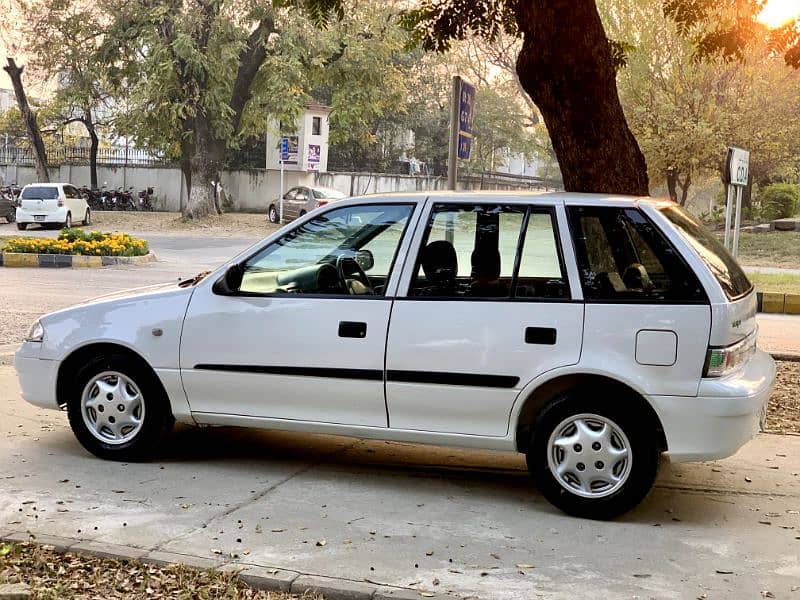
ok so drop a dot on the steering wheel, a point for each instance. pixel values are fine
(356, 274)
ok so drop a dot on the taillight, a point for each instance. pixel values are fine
(721, 361)
(60, 203)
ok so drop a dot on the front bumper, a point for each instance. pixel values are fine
(37, 376)
(726, 414)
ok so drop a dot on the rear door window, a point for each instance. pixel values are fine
(726, 270)
(40, 192)
(623, 257)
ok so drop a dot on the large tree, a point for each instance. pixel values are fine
(568, 66)
(63, 39)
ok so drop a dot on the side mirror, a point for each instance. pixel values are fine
(365, 259)
(230, 282)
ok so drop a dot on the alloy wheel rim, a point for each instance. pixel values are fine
(112, 408)
(589, 455)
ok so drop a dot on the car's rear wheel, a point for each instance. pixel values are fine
(591, 459)
(118, 409)
(68, 221)
(273, 215)
(22, 226)
(87, 218)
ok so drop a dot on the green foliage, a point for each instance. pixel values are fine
(437, 24)
(779, 200)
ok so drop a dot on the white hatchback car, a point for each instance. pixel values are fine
(590, 332)
(59, 204)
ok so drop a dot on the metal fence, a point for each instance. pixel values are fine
(75, 155)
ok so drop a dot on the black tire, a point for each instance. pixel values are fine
(87, 218)
(68, 221)
(11, 217)
(157, 420)
(302, 214)
(641, 470)
(272, 214)
(22, 226)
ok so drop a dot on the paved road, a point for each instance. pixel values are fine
(407, 515)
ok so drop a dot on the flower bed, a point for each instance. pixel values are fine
(76, 241)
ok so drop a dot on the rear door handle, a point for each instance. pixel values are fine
(352, 329)
(540, 335)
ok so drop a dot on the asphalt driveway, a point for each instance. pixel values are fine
(438, 520)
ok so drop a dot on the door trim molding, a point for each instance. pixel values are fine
(329, 372)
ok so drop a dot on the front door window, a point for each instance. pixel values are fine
(343, 252)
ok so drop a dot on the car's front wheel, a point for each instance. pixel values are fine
(11, 217)
(118, 409)
(592, 459)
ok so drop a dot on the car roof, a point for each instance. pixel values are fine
(49, 184)
(568, 198)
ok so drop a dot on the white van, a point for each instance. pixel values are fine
(591, 332)
(58, 204)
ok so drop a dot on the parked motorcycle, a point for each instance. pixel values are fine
(146, 198)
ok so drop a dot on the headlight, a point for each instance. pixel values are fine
(721, 361)
(36, 334)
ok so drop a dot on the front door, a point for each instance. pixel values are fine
(303, 337)
(487, 309)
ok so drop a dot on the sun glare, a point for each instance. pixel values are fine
(779, 12)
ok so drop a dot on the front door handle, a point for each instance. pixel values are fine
(352, 329)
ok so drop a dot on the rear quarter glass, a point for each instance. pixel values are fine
(723, 266)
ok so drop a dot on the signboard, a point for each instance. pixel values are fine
(314, 155)
(289, 149)
(738, 166)
(466, 117)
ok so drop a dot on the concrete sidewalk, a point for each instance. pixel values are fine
(779, 334)
(394, 516)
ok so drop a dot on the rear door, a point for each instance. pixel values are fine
(39, 199)
(484, 307)
(646, 310)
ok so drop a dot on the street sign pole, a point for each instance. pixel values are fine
(728, 216)
(452, 157)
(737, 174)
(284, 157)
(738, 221)
(280, 203)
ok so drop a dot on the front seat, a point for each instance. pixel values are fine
(486, 274)
(440, 265)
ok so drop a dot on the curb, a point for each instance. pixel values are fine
(256, 576)
(770, 302)
(74, 261)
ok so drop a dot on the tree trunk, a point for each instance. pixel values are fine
(671, 176)
(205, 165)
(34, 135)
(684, 185)
(94, 145)
(576, 92)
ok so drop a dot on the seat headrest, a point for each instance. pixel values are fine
(486, 262)
(439, 262)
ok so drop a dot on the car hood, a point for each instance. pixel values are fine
(125, 297)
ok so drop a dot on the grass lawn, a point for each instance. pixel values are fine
(769, 282)
(775, 249)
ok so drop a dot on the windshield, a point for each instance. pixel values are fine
(40, 192)
(724, 266)
(327, 194)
